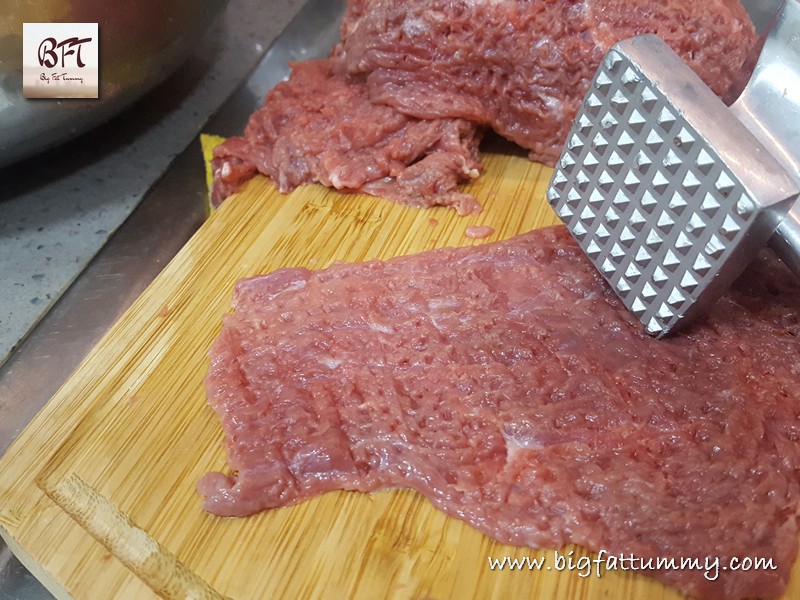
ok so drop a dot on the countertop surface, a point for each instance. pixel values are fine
(58, 209)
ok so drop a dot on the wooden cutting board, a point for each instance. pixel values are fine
(97, 495)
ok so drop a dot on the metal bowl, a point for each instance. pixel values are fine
(141, 43)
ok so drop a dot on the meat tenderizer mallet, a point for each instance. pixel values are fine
(669, 191)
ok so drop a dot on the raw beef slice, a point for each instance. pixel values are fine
(508, 384)
(320, 126)
(523, 66)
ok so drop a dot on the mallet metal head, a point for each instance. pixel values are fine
(669, 194)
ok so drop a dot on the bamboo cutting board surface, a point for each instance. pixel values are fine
(97, 495)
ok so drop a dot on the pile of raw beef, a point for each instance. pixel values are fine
(399, 108)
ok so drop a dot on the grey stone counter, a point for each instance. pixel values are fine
(58, 209)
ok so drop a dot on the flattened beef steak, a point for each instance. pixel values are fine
(425, 75)
(523, 66)
(508, 384)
